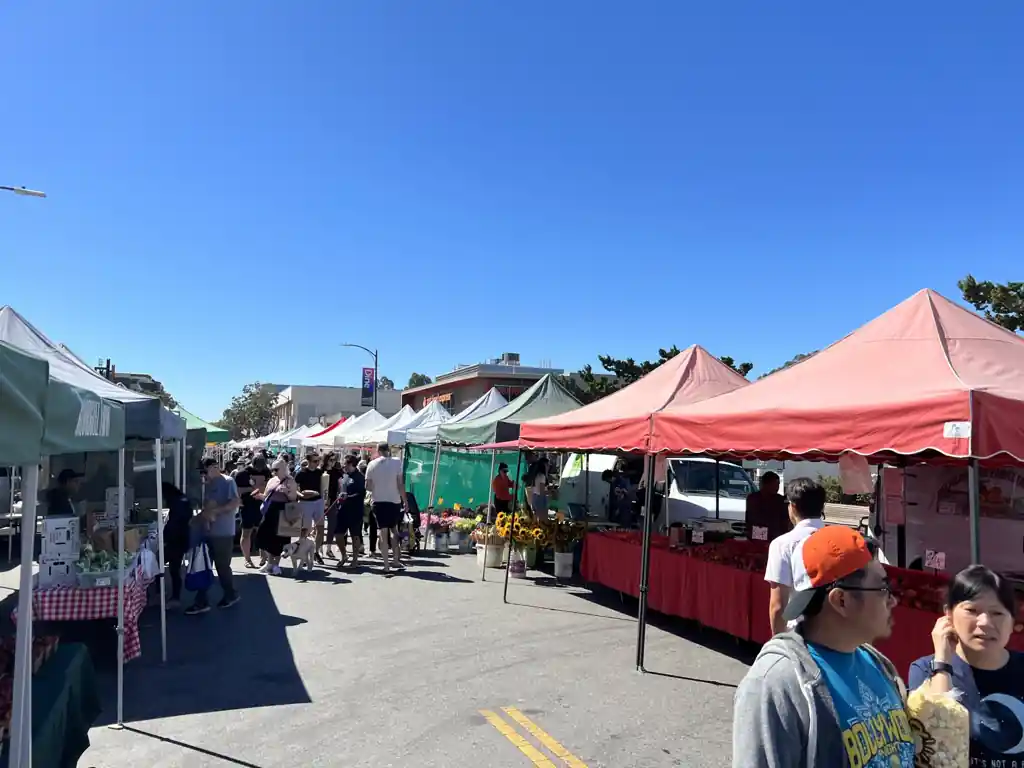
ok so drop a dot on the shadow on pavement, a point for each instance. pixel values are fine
(575, 613)
(690, 679)
(235, 658)
(443, 578)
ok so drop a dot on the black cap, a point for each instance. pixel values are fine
(68, 474)
(502, 466)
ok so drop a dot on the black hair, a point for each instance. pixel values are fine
(171, 491)
(769, 475)
(807, 496)
(974, 580)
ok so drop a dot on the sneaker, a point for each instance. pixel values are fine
(195, 610)
(227, 602)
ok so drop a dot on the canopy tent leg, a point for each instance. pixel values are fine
(645, 568)
(21, 715)
(159, 456)
(10, 520)
(120, 586)
(179, 478)
(718, 490)
(433, 489)
(974, 490)
(512, 526)
(586, 483)
(490, 500)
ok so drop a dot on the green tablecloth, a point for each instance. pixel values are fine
(65, 704)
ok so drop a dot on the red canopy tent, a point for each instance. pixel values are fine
(622, 421)
(335, 425)
(928, 378)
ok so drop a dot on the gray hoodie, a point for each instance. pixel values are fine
(784, 715)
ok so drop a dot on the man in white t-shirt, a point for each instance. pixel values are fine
(385, 483)
(806, 511)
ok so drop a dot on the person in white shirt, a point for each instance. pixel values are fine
(385, 483)
(806, 511)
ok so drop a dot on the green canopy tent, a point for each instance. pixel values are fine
(213, 434)
(545, 398)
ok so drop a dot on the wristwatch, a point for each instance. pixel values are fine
(938, 667)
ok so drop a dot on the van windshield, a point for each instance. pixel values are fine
(698, 477)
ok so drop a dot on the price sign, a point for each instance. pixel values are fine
(760, 533)
(698, 537)
(936, 560)
(103, 582)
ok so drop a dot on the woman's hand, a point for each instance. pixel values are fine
(944, 639)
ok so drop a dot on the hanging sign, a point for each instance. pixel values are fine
(935, 560)
(697, 537)
(369, 384)
(760, 533)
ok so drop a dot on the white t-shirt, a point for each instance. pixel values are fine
(385, 472)
(780, 551)
(540, 484)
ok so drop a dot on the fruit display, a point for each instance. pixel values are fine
(736, 553)
(92, 561)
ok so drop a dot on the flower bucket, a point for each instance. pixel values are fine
(530, 557)
(441, 542)
(455, 539)
(517, 565)
(465, 545)
(563, 565)
(489, 555)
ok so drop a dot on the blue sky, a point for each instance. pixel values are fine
(451, 180)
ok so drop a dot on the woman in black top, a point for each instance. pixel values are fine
(329, 486)
(176, 536)
(349, 519)
(249, 480)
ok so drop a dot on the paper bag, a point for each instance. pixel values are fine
(289, 522)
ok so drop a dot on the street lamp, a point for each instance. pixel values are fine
(372, 353)
(23, 191)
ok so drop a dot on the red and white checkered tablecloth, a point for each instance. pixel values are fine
(77, 604)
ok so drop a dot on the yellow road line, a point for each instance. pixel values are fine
(545, 738)
(535, 755)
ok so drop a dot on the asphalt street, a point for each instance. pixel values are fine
(426, 668)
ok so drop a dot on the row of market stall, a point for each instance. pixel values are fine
(926, 385)
(53, 404)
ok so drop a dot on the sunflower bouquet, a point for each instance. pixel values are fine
(487, 535)
(562, 534)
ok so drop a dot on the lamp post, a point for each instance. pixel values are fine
(376, 372)
(24, 192)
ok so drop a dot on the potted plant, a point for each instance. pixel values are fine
(520, 529)
(564, 535)
(439, 525)
(462, 528)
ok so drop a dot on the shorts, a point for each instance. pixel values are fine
(348, 521)
(251, 515)
(387, 513)
(312, 512)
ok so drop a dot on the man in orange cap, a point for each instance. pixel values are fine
(821, 696)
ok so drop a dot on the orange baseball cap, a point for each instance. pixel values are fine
(826, 556)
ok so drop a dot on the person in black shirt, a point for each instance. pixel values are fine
(250, 479)
(311, 500)
(329, 486)
(176, 537)
(58, 498)
(349, 519)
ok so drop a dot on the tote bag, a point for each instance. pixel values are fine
(289, 522)
(199, 575)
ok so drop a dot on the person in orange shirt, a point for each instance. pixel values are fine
(502, 487)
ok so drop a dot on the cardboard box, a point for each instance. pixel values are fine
(57, 573)
(110, 503)
(61, 537)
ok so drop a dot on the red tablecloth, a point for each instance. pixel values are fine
(77, 604)
(726, 598)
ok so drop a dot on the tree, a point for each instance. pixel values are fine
(1002, 303)
(251, 413)
(792, 361)
(383, 382)
(625, 372)
(418, 380)
(741, 368)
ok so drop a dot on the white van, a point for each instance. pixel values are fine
(691, 489)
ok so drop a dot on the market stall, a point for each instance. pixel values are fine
(487, 403)
(365, 433)
(213, 434)
(926, 383)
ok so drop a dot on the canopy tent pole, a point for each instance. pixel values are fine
(512, 526)
(21, 724)
(120, 586)
(433, 488)
(645, 568)
(974, 490)
(179, 479)
(490, 499)
(10, 514)
(586, 484)
(718, 490)
(158, 453)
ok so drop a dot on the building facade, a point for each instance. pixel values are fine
(458, 389)
(298, 405)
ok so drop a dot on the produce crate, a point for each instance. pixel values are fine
(95, 579)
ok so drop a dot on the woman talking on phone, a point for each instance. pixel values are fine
(971, 657)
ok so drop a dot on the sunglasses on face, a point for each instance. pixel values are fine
(885, 588)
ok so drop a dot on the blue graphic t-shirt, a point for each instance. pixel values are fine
(876, 731)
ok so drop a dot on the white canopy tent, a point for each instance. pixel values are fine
(296, 438)
(433, 415)
(373, 435)
(326, 441)
(489, 402)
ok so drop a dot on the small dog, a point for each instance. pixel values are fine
(301, 554)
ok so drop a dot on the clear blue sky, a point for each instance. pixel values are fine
(451, 180)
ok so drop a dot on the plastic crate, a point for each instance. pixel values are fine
(96, 579)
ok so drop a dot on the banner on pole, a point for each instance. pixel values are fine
(368, 386)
